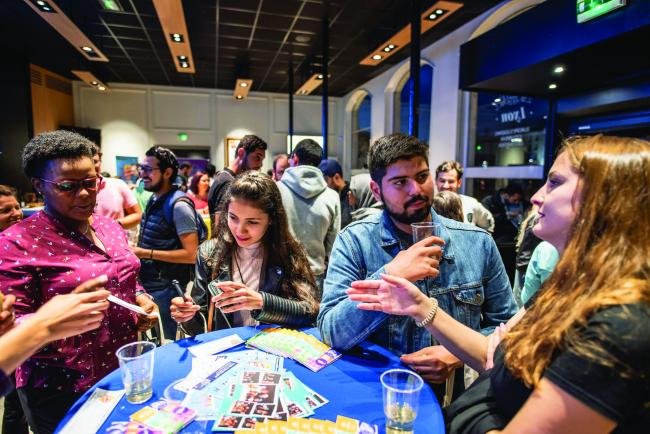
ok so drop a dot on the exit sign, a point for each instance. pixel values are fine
(590, 9)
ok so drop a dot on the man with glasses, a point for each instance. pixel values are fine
(249, 155)
(169, 233)
(115, 199)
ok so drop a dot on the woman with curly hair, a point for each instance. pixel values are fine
(576, 358)
(254, 270)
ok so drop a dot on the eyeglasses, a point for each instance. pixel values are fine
(70, 186)
(146, 169)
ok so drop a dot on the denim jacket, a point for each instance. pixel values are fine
(472, 285)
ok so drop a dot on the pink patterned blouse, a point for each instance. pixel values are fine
(40, 258)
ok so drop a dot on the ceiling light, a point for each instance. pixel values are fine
(87, 49)
(432, 16)
(171, 15)
(303, 38)
(242, 87)
(319, 76)
(243, 84)
(42, 5)
(311, 84)
(552, 86)
(497, 99)
(558, 69)
(90, 79)
(239, 97)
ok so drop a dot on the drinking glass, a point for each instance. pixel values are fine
(401, 391)
(136, 367)
(422, 230)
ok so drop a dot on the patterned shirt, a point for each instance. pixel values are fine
(40, 258)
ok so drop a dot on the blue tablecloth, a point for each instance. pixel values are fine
(351, 384)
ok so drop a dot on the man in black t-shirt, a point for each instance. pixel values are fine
(249, 155)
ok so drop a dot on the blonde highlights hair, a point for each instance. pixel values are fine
(606, 261)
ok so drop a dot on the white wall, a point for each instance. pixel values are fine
(444, 56)
(133, 118)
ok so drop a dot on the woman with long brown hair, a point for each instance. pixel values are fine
(254, 269)
(576, 358)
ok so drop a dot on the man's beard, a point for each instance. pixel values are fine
(154, 187)
(403, 216)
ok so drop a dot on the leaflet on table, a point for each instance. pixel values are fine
(299, 346)
(93, 412)
(164, 416)
(343, 425)
(216, 346)
(257, 396)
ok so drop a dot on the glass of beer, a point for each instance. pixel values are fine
(401, 391)
(136, 367)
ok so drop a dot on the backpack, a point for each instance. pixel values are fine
(168, 212)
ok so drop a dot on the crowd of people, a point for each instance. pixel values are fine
(566, 351)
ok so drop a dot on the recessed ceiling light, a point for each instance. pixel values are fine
(497, 99)
(177, 37)
(239, 97)
(94, 83)
(40, 3)
(102, 88)
(440, 11)
(319, 76)
(386, 49)
(376, 57)
(558, 69)
(182, 58)
(552, 86)
(432, 16)
(185, 65)
(87, 49)
(243, 84)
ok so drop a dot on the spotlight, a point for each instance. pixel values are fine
(552, 86)
(432, 17)
(558, 69)
(102, 88)
(94, 83)
(239, 97)
(177, 37)
(376, 57)
(243, 84)
(87, 49)
(440, 11)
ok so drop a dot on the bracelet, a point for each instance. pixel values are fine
(151, 255)
(426, 321)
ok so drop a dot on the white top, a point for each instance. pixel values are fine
(475, 213)
(246, 269)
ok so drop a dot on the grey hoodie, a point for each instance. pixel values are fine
(313, 210)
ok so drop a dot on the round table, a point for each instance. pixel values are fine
(351, 384)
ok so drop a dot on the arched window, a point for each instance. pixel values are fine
(402, 103)
(361, 132)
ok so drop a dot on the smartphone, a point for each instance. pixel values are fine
(214, 289)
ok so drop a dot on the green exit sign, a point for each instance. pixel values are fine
(590, 9)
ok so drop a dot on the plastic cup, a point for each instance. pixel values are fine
(136, 367)
(401, 391)
(422, 230)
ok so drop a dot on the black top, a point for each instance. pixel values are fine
(624, 332)
(218, 190)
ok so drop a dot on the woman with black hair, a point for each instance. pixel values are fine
(255, 271)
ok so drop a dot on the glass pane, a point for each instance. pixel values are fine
(426, 83)
(363, 114)
(509, 131)
(361, 133)
(480, 188)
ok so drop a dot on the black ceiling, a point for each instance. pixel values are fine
(257, 36)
